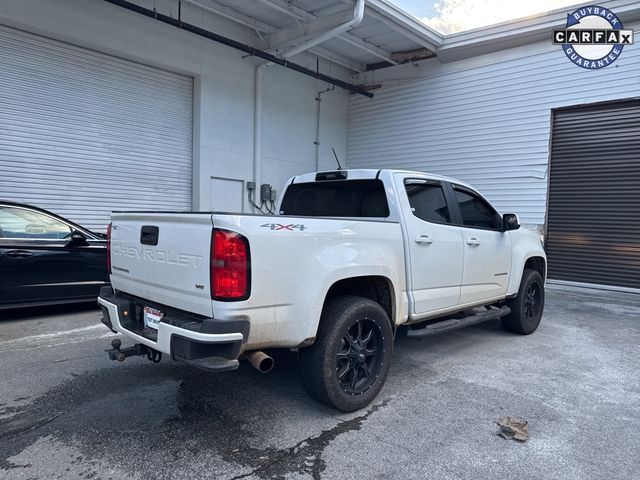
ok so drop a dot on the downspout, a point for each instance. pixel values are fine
(358, 15)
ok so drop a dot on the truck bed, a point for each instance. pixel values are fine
(294, 261)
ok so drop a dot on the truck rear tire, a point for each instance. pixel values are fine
(527, 307)
(348, 364)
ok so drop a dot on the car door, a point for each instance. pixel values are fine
(433, 245)
(487, 248)
(40, 262)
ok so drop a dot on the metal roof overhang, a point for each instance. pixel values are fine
(385, 35)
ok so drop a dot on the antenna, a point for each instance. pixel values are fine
(335, 155)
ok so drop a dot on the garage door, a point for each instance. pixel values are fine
(83, 133)
(593, 224)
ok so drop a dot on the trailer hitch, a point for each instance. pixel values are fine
(121, 354)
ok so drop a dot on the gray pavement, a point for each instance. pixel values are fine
(67, 412)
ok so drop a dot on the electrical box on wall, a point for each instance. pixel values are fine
(265, 193)
(265, 202)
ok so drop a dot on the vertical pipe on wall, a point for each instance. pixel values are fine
(257, 128)
(317, 140)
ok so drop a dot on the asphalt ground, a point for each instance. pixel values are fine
(68, 412)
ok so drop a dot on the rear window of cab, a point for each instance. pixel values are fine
(340, 198)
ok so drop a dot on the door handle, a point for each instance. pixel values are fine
(473, 241)
(424, 239)
(18, 253)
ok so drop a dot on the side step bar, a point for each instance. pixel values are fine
(455, 323)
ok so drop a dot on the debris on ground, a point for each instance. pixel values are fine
(513, 427)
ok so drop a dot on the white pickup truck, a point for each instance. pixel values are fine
(352, 256)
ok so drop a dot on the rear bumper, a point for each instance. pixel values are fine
(202, 342)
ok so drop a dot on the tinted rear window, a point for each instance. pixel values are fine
(342, 198)
(428, 203)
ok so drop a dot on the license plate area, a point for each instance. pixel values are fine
(151, 317)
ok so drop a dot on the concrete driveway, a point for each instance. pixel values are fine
(67, 412)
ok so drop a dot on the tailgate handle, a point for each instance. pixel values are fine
(149, 235)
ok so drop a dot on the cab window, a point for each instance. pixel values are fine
(427, 201)
(341, 198)
(475, 211)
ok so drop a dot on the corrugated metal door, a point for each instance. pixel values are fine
(593, 225)
(83, 133)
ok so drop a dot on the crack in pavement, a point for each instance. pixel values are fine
(311, 448)
(18, 425)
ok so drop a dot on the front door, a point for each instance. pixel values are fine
(433, 244)
(487, 248)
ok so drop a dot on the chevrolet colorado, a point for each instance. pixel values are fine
(351, 257)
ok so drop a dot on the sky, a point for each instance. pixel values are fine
(449, 16)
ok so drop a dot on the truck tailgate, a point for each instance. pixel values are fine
(164, 258)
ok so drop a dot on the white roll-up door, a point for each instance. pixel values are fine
(83, 133)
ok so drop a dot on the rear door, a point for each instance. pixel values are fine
(433, 243)
(40, 263)
(487, 249)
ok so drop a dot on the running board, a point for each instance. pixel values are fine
(456, 323)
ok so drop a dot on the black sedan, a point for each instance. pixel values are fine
(46, 259)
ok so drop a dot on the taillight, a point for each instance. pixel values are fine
(109, 248)
(230, 266)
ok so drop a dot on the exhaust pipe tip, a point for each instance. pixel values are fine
(260, 361)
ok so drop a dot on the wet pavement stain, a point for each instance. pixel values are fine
(306, 456)
(155, 419)
(18, 423)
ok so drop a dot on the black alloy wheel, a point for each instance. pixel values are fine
(527, 307)
(349, 362)
(359, 357)
(532, 303)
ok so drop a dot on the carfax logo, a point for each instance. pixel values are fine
(594, 37)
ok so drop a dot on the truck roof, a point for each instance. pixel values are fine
(369, 173)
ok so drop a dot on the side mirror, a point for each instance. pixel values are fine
(77, 238)
(510, 221)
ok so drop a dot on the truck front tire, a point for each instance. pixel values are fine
(527, 307)
(348, 364)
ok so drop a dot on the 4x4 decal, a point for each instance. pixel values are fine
(278, 226)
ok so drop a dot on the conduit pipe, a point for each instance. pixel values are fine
(317, 140)
(257, 129)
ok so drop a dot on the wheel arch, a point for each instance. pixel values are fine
(377, 288)
(534, 261)
(537, 263)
